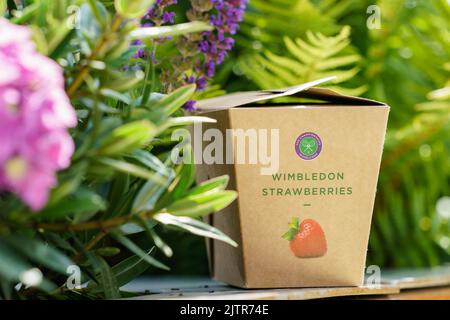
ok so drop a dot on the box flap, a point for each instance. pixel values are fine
(306, 90)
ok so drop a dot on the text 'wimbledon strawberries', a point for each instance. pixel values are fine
(306, 240)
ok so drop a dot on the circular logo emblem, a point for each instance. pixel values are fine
(308, 145)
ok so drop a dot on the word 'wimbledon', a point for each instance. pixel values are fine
(239, 146)
(315, 176)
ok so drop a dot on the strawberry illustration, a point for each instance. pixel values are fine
(306, 240)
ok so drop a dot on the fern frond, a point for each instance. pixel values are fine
(317, 56)
(287, 17)
(340, 8)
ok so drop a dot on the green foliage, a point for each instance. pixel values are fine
(132, 9)
(318, 57)
(122, 182)
(405, 63)
(415, 171)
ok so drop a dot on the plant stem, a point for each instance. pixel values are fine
(91, 244)
(150, 73)
(84, 71)
(93, 225)
(96, 116)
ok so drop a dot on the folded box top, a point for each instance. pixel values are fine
(305, 90)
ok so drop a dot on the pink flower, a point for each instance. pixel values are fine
(35, 114)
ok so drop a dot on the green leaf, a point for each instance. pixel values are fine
(131, 228)
(148, 226)
(12, 266)
(202, 204)
(69, 182)
(3, 8)
(128, 137)
(60, 39)
(150, 192)
(123, 81)
(60, 242)
(58, 50)
(151, 161)
(130, 245)
(130, 268)
(109, 93)
(82, 201)
(108, 251)
(132, 169)
(93, 105)
(290, 234)
(175, 100)
(132, 8)
(293, 229)
(194, 226)
(294, 224)
(7, 289)
(99, 12)
(212, 185)
(184, 180)
(90, 26)
(169, 31)
(148, 195)
(160, 243)
(120, 187)
(39, 40)
(28, 13)
(107, 278)
(40, 252)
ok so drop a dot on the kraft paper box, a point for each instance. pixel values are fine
(302, 220)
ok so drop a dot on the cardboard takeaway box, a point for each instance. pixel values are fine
(302, 218)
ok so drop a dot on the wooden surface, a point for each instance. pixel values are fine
(272, 294)
(396, 284)
(434, 293)
(417, 278)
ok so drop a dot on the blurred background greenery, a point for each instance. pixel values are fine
(405, 63)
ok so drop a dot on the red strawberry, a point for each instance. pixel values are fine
(307, 240)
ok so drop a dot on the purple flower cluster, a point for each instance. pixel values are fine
(199, 54)
(35, 113)
(155, 16)
(216, 44)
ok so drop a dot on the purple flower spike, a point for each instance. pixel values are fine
(190, 106)
(168, 17)
(216, 44)
(213, 46)
(155, 16)
(210, 68)
(201, 83)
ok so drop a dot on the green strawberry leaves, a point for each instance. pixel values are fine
(293, 229)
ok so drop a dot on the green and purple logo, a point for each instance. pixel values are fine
(308, 145)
